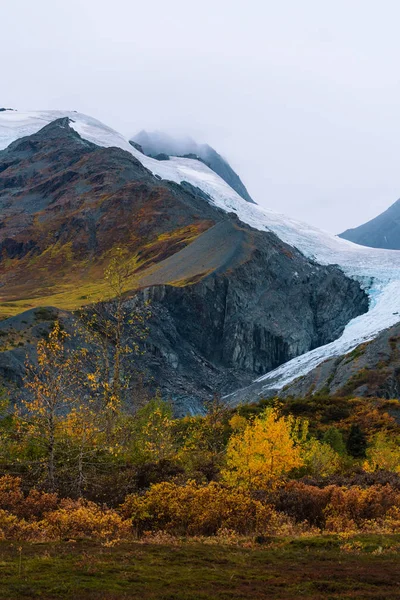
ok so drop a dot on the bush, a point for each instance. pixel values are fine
(13, 528)
(336, 508)
(194, 509)
(32, 506)
(303, 502)
(83, 519)
(355, 508)
(11, 495)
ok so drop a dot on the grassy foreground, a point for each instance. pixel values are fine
(319, 567)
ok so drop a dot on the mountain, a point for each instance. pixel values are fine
(370, 370)
(159, 144)
(381, 232)
(237, 292)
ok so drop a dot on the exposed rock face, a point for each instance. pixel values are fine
(228, 302)
(158, 143)
(381, 232)
(216, 335)
(372, 369)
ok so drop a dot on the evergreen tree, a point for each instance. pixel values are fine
(356, 442)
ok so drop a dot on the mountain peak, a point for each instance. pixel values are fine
(155, 143)
(381, 232)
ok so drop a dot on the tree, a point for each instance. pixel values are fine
(266, 450)
(6, 425)
(153, 435)
(384, 453)
(52, 384)
(320, 459)
(356, 442)
(334, 438)
(203, 440)
(114, 330)
(81, 440)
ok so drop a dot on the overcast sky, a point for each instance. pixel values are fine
(302, 97)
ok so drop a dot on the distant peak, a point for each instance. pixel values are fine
(159, 143)
(381, 232)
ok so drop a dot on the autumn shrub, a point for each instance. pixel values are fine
(355, 508)
(302, 502)
(36, 504)
(335, 508)
(84, 519)
(11, 494)
(194, 509)
(356, 477)
(32, 506)
(40, 515)
(14, 528)
(391, 521)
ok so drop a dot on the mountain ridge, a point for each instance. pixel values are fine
(381, 232)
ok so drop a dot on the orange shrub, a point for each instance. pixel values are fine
(32, 506)
(356, 508)
(303, 502)
(36, 504)
(11, 495)
(336, 508)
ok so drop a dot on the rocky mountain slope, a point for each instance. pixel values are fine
(162, 145)
(229, 301)
(371, 369)
(381, 232)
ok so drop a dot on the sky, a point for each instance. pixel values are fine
(301, 97)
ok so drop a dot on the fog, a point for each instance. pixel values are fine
(302, 98)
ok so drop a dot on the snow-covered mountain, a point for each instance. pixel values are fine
(377, 270)
(159, 143)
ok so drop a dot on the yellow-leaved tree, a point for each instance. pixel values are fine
(264, 451)
(114, 329)
(82, 440)
(383, 453)
(320, 459)
(51, 382)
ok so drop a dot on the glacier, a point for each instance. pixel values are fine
(377, 270)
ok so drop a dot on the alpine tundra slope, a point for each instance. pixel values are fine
(377, 270)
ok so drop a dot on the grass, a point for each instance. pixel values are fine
(323, 567)
(55, 278)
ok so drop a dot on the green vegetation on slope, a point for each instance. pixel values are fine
(313, 568)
